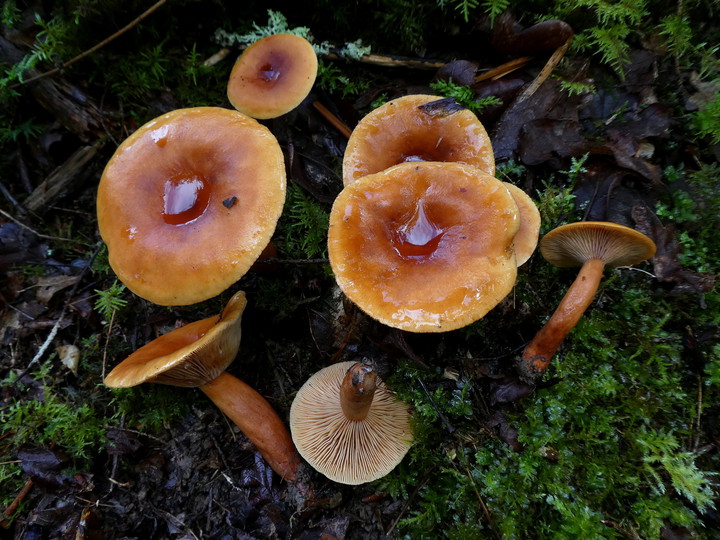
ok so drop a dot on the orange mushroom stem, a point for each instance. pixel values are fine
(196, 355)
(257, 420)
(357, 391)
(592, 245)
(577, 299)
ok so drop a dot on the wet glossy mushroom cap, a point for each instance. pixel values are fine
(189, 201)
(272, 76)
(343, 449)
(575, 243)
(402, 130)
(189, 356)
(526, 239)
(424, 247)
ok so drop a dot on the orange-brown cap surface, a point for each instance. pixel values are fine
(575, 243)
(424, 247)
(348, 451)
(526, 240)
(189, 201)
(402, 130)
(188, 356)
(272, 76)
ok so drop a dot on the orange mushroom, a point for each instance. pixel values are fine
(593, 245)
(526, 239)
(348, 426)
(273, 76)
(188, 202)
(424, 247)
(402, 130)
(196, 355)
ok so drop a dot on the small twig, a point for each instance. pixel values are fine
(407, 504)
(485, 509)
(334, 120)
(39, 235)
(175, 519)
(10, 510)
(696, 442)
(107, 341)
(503, 69)
(636, 270)
(104, 42)
(448, 426)
(545, 72)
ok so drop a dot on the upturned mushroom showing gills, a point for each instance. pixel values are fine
(424, 247)
(273, 76)
(348, 426)
(592, 245)
(401, 131)
(196, 355)
(188, 202)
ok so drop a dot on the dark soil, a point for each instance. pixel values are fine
(198, 476)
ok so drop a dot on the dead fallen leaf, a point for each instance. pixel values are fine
(48, 286)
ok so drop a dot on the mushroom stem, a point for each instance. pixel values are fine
(257, 420)
(536, 356)
(357, 391)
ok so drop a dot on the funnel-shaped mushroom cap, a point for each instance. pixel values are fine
(575, 243)
(424, 247)
(345, 450)
(189, 201)
(189, 356)
(526, 239)
(402, 130)
(273, 76)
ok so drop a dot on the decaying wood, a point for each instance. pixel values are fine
(61, 179)
(75, 110)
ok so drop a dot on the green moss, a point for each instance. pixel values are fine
(58, 420)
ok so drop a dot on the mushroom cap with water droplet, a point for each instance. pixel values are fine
(189, 356)
(273, 76)
(402, 130)
(575, 243)
(348, 451)
(188, 202)
(424, 247)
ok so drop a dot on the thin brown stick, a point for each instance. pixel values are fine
(10, 510)
(547, 69)
(104, 42)
(504, 69)
(484, 507)
(39, 235)
(334, 120)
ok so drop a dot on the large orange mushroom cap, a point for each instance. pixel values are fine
(188, 202)
(402, 130)
(424, 247)
(273, 76)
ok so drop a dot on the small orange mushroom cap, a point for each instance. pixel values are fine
(402, 130)
(273, 76)
(576, 243)
(189, 356)
(188, 202)
(424, 247)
